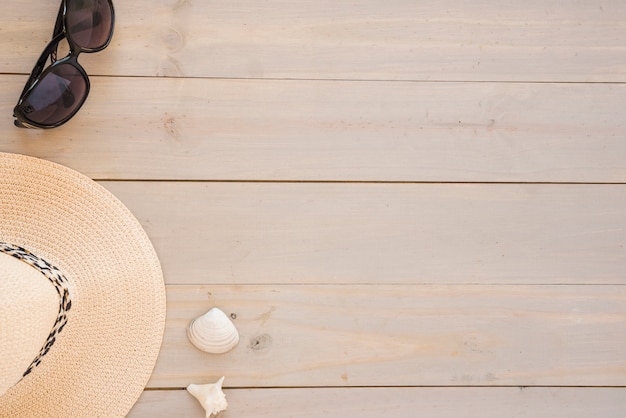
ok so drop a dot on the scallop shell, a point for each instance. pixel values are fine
(213, 332)
(210, 396)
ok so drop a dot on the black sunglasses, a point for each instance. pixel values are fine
(53, 96)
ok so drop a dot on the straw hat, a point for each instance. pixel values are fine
(82, 300)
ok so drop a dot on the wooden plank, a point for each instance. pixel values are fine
(394, 402)
(338, 131)
(235, 233)
(481, 40)
(375, 335)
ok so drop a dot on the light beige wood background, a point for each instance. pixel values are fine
(411, 208)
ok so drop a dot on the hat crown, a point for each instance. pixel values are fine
(29, 306)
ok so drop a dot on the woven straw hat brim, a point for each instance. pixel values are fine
(103, 359)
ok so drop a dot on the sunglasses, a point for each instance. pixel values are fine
(54, 94)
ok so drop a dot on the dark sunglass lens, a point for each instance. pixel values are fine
(89, 22)
(56, 96)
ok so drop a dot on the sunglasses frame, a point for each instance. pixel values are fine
(40, 70)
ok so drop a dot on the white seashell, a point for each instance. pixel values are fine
(213, 332)
(210, 396)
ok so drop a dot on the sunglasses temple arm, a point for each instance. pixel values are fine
(41, 62)
(58, 30)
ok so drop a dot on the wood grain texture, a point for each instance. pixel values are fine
(337, 131)
(386, 196)
(237, 233)
(394, 402)
(375, 335)
(480, 40)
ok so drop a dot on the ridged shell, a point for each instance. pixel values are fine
(210, 396)
(213, 332)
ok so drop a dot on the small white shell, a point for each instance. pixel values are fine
(210, 396)
(213, 332)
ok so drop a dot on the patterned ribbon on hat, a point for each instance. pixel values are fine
(60, 284)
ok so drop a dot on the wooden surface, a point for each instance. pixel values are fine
(286, 130)
(402, 335)
(395, 402)
(409, 208)
(367, 233)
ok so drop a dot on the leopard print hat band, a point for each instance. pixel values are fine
(58, 281)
